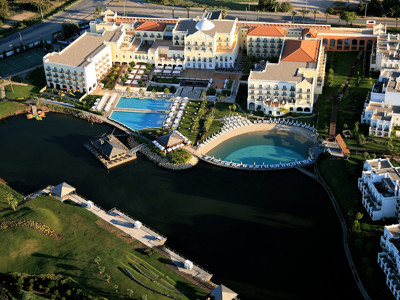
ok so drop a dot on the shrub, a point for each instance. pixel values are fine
(211, 91)
(286, 7)
(180, 156)
(132, 64)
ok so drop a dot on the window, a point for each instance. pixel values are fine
(210, 59)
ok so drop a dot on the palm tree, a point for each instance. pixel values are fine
(224, 14)
(303, 13)
(10, 81)
(234, 107)
(326, 17)
(275, 5)
(154, 92)
(167, 91)
(230, 108)
(141, 92)
(13, 203)
(9, 197)
(97, 260)
(315, 13)
(129, 292)
(108, 278)
(397, 20)
(293, 13)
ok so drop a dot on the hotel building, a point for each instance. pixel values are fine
(379, 186)
(203, 43)
(389, 258)
(290, 84)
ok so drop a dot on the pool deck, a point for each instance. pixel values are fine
(141, 110)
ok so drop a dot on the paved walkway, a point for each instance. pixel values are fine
(353, 269)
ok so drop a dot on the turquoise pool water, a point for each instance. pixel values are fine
(147, 104)
(263, 147)
(137, 120)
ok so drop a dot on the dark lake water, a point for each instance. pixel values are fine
(271, 235)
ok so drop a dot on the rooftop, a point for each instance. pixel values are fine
(220, 26)
(87, 46)
(284, 70)
(392, 80)
(266, 31)
(381, 163)
(151, 26)
(301, 50)
(394, 230)
(110, 146)
(382, 112)
(170, 139)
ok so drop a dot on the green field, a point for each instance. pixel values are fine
(20, 62)
(30, 251)
(9, 108)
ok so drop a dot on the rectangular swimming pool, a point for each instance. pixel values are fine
(146, 104)
(138, 120)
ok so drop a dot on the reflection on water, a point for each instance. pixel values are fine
(266, 235)
(273, 147)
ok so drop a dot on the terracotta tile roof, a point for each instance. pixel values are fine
(301, 50)
(342, 144)
(267, 31)
(311, 31)
(150, 26)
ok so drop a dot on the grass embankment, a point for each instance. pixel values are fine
(11, 108)
(364, 244)
(84, 238)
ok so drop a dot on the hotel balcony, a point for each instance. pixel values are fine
(274, 102)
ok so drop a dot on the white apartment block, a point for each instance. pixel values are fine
(386, 52)
(389, 258)
(291, 84)
(79, 66)
(379, 186)
(382, 106)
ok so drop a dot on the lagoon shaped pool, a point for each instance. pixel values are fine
(268, 147)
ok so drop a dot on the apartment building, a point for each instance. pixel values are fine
(379, 186)
(386, 53)
(389, 258)
(79, 66)
(382, 106)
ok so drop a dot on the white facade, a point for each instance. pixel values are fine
(382, 106)
(291, 84)
(386, 53)
(379, 185)
(389, 258)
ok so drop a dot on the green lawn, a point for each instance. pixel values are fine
(9, 108)
(22, 91)
(31, 252)
(21, 62)
(220, 4)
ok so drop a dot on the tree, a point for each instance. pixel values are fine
(129, 293)
(98, 10)
(293, 13)
(97, 260)
(132, 63)
(9, 197)
(144, 297)
(355, 129)
(69, 29)
(276, 6)
(13, 203)
(286, 7)
(230, 108)
(303, 13)
(359, 216)
(10, 81)
(219, 95)
(167, 91)
(116, 288)
(356, 226)
(108, 278)
(234, 107)
(154, 92)
(326, 16)
(3, 9)
(141, 92)
(224, 14)
(315, 13)
(351, 16)
(101, 270)
(188, 10)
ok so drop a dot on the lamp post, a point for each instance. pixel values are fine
(366, 5)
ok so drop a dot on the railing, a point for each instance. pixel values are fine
(208, 272)
(135, 219)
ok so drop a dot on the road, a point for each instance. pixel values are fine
(83, 11)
